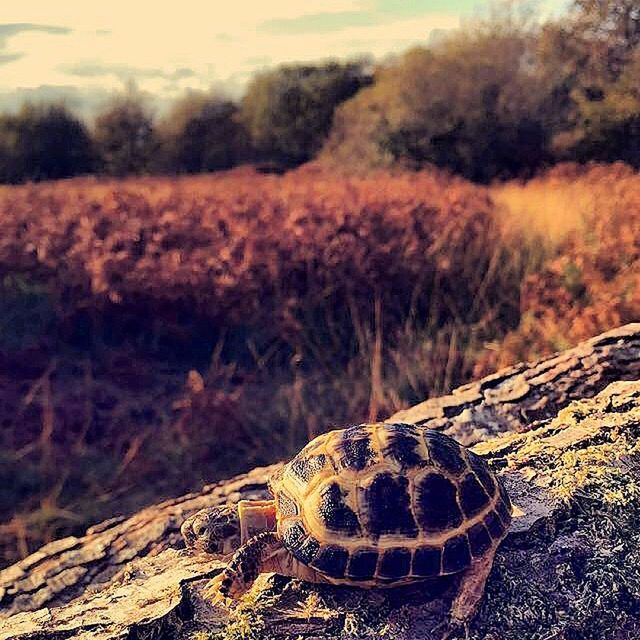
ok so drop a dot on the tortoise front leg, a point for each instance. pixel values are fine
(261, 554)
(247, 563)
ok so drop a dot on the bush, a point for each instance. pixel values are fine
(473, 104)
(288, 111)
(202, 133)
(44, 142)
(125, 136)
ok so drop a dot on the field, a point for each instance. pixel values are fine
(159, 333)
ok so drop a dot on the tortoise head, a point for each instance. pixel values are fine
(213, 530)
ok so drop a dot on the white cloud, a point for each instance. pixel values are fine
(221, 42)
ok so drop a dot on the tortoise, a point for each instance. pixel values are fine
(372, 505)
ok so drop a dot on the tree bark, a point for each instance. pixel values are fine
(515, 397)
(126, 577)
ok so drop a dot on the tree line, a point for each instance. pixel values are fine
(500, 97)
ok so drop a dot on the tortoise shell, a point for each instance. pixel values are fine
(386, 503)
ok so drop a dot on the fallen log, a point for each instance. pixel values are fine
(128, 576)
(512, 399)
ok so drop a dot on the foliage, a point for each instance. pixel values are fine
(490, 122)
(43, 142)
(238, 309)
(590, 281)
(202, 133)
(125, 136)
(161, 333)
(288, 111)
(590, 60)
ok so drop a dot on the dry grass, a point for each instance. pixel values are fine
(156, 333)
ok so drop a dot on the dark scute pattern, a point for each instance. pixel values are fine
(479, 539)
(332, 560)
(362, 564)
(354, 450)
(401, 445)
(445, 452)
(472, 496)
(286, 506)
(456, 555)
(481, 469)
(426, 562)
(307, 551)
(436, 501)
(306, 468)
(388, 506)
(293, 535)
(402, 427)
(395, 563)
(494, 524)
(333, 511)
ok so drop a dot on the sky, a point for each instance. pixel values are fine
(83, 51)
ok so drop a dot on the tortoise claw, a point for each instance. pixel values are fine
(214, 594)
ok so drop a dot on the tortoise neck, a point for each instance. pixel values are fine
(255, 517)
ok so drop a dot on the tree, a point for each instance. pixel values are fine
(43, 142)
(125, 136)
(288, 111)
(473, 103)
(202, 133)
(593, 57)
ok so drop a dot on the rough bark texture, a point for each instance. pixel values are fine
(513, 398)
(130, 578)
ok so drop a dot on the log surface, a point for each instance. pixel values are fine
(130, 576)
(513, 398)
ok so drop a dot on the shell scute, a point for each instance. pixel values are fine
(481, 469)
(436, 503)
(334, 512)
(456, 554)
(308, 550)
(473, 497)
(494, 525)
(395, 563)
(293, 535)
(479, 539)
(445, 452)
(362, 564)
(306, 468)
(427, 562)
(400, 443)
(355, 449)
(286, 506)
(332, 560)
(386, 506)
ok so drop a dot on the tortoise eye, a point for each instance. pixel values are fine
(200, 530)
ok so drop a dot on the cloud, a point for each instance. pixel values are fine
(8, 30)
(82, 101)
(380, 12)
(93, 69)
(319, 23)
(257, 61)
(6, 58)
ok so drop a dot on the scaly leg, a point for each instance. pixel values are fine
(261, 554)
(247, 563)
(471, 590)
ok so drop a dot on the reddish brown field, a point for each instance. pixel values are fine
(159, 333)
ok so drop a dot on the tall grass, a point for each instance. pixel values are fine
(159, 333)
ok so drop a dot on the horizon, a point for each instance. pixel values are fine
(70, 53)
